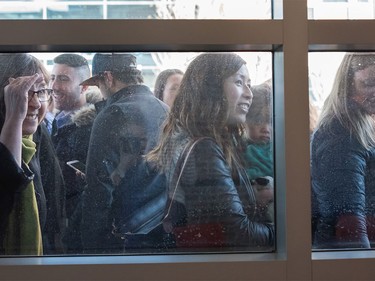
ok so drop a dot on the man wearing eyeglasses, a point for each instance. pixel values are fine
(70, 140)
(126, 128)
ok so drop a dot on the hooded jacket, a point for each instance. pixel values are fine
(71, 143)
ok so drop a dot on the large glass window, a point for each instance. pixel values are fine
(104, 131)
(341, 9)
(289, 39)
(322, 71)
(154, 9)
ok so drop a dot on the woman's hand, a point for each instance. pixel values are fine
(16, 96)
(16, 105)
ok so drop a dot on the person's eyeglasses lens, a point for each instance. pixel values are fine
(43, 94)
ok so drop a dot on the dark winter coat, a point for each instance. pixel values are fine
(343, 189)
(71, 143)
(132, 115)
(75, 137)
(13, 179)
(49, 188)
(54, 191)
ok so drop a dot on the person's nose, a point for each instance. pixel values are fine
(53, 85)
(266, 128)
(35, 102)
(248, 94)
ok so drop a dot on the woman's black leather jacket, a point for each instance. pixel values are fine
(210, 207)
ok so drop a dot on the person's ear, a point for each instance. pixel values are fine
(84, 89)
(108, 77)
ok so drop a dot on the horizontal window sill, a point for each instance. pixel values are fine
(143, 259)
(344, 254)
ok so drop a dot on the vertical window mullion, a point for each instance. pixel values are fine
(297, 154)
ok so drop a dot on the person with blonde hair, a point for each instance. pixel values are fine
(342, 158)
(214, 205)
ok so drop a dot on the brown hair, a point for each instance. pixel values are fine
(16, 65)
(201, 108)
(161, 81)
(260, 110)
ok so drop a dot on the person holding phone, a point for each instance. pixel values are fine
(78, 167)
(70, 135)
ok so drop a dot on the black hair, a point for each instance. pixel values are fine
(72, 60)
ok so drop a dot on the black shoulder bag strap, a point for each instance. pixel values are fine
(181, 163)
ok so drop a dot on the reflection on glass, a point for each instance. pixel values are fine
(341, 9)
(322, 70)
(22, 11)
(343, 154)
(75, 12)
(132, 12)
(116, 170)
(154, 9)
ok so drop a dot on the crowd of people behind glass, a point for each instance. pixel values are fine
(206, 132)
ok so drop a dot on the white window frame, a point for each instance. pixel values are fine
(290, 38)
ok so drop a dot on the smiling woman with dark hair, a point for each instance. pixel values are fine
(214, 205)
(23, 101)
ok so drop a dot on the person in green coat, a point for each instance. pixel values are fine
(258, 155)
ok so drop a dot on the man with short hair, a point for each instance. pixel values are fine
(127, 127)
(68, 71)
(70, 141)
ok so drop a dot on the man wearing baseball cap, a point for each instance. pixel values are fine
(113, 62)
(126, 127)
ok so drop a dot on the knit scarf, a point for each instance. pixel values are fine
(23, 235)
